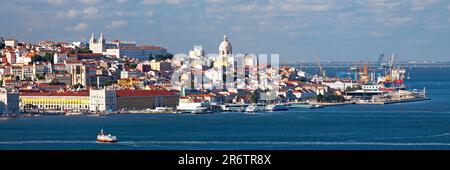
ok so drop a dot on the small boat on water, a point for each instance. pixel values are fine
(276, 107)
(106, 138)
(254, 108)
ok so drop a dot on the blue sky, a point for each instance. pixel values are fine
(295, 29)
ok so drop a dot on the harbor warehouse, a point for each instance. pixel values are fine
(146, 99)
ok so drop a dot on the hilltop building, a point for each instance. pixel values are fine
(124, 48)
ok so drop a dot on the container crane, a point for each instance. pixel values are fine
(322, 71)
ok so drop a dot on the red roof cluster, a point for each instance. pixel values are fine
(47, 93)
(145, 47)
(90, 54)
(128, 92)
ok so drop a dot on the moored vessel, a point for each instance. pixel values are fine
(73, 113)
(276, 107)
(305, 106)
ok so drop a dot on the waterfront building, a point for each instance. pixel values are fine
(339, 85)
(145, 99)
(102, 100)
(9, 102)
(304, 94)
(318, 88)
(62, 101)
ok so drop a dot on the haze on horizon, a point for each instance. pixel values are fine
(298, 30)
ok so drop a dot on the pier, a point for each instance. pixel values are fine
(372, 65)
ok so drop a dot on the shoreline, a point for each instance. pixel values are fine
(53, 113)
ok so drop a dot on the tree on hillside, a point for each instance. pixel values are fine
(2, 43)
(255, 96)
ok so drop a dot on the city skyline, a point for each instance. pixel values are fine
(297, 30)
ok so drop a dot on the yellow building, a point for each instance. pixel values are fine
(55, 100)
(129, 82)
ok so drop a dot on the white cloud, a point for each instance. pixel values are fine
(237, 28)
(150, 13)
(173, 2)
(127, 13)
(90, 12)
(121, 1)
(376, 34)
(291, 5)
(89, 2)
(216, 1)
(78, 27)
(394, 21)
(381, 4)
(117, 24)
(418, 5)
(72, 13)
(56, 2)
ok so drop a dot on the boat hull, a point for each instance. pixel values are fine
(106, 141)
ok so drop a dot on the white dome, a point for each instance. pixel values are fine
(225, 46)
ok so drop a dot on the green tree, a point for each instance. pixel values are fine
(255, 96)
(109, 82)
(319, 98)
(161, 57)
(39, 76)
(47, 57)
(79, 85)
(54, 82)
(82, 50)
(132, 65)
(2, 43)
(348, 88)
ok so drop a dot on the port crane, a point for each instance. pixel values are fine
(380, 63)
(322, 71)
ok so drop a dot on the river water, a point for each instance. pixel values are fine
(417, 125)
